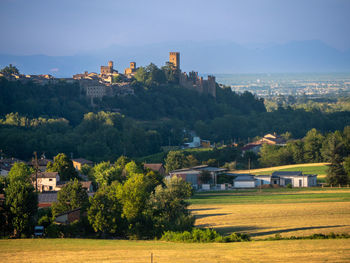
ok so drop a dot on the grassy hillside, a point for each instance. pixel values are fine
(88, 250)
(307, 168)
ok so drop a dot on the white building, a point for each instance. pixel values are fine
(284, 178)
(244, 181)
(47, 181)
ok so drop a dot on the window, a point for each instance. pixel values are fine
(300, 183)
(50, 179)
(50, 187)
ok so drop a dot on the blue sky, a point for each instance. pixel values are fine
(67, 27)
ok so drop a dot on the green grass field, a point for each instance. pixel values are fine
(89, 250)
(281, 195)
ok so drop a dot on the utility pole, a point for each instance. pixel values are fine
(36, 167)
(249, 164)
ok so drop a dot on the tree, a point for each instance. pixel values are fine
(23, 204)
(269, 155)
(141, 75)
(205, 177)
(64, 166)
(10, 69)
(191, 161)
(312, 146)
(167, 206)
(134, 195)
(70, 197)
(122, 161)
(297, 149)
(346, 166)
(87, 170)
(105, 212)
(20, 172)
(174, 160)
(131, 168)
(171, 73)
(333, 151)
(105, 173)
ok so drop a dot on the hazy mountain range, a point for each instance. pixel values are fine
(204, 57)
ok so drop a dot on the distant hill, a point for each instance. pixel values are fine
(205, 57)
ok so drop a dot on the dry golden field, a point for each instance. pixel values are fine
(288, 212)
(263, 220)
(88, 250)
(295, 213)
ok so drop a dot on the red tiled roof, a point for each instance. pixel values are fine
(153, 166)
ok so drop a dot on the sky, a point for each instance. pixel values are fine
(69, 27)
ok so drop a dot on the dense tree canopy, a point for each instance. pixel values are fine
(21, 200)
(70, 197)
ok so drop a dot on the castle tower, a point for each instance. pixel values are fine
(110, 64)
(174, 58)
(132, 65)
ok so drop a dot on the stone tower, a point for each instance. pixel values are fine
(110, 64)
(132, 65)
(174, 58)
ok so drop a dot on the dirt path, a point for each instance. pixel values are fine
(278, 168)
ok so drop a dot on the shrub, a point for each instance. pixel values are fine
(53, 231)
(198, 235)
(289, 185)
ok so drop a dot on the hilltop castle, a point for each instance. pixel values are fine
(192, 80)
(109, 82)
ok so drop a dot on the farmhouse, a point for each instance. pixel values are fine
(47, 181)
(50, 181)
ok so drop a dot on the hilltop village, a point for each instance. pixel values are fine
(109, 82)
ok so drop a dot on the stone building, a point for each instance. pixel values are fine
(174, 58)
(108, 70)
(192, 80)
(131, 70)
